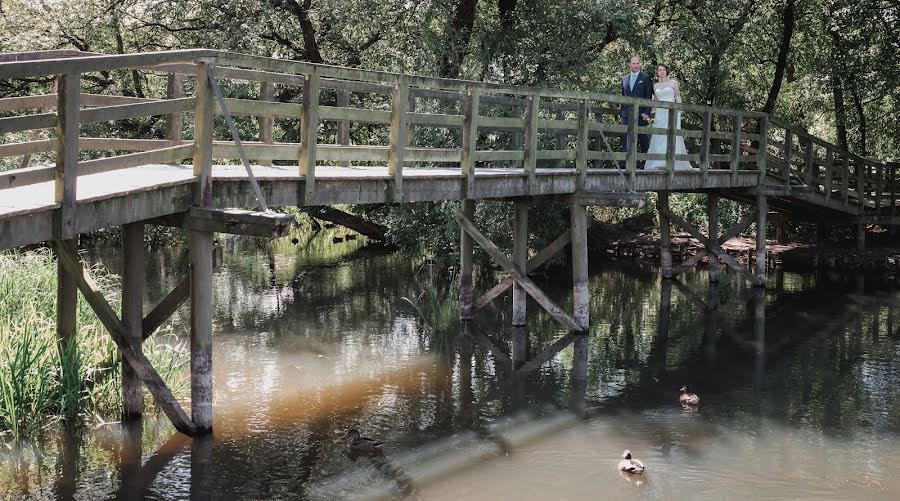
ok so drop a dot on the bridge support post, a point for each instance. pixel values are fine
(201, 256)
(466, 263)
(665, 237)
(581, 295)
(713, 216)
(132, 315)
(762, 210)
(66, 300)
(520, 258)
(860, 235)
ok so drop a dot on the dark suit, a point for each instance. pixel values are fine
(643, 88)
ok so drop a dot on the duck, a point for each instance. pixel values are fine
(630, 465)
(357, 443)
(688, 398)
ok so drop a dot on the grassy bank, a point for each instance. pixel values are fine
(43, 382)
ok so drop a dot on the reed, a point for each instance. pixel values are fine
(44, 380)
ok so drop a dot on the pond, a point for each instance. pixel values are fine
(799, 387)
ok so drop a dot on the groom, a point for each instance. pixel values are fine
(636, 83)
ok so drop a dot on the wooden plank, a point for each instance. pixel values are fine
(501, 123)
(581, 144)
(705, 142)
(532, 115)
(670, 142)
(788, 152)
(829, 172)
(633, 146)
(27, 148)
(399, 138)
(736, 126)
(690, 263)
(309, 135)
(27, 122)
(498, 155)
(119, 144)
(355, 115)
(762, 157)
(256, 108)
(88, 99)
(526, 283)
(173, 154)
(435, 120)
(448, 155)
(737, 229)
(845, 179)
(231, 221)
(132, 315)
(330, 152)
(264, 152)
(712, 215)
(556, 154)
(174, 123)
(203, 135)
(144, 369)
(469, 141)
(97, 63)
(67, 149)
(810, 171)
(26, 102)
(342, 138)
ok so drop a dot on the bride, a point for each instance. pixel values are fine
(666, 91)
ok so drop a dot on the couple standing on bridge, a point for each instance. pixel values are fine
(636, 83)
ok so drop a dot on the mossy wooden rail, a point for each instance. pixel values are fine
(360, 136)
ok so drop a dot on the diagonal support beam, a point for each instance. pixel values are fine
(530, 287)
(534, 263)
(690, 295)
(138, 361)
(549, 352)
(173, 300)
(690, 262)
(715, 249)
(748, 219)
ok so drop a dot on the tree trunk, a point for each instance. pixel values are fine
(349, 221)
(788, 17)
(300, 9)
(456, 42)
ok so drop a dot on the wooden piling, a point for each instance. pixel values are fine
(132, 315)
(665, 237)
(66, 301)
(466, 264)
(519, 351)
(581, 297)
(201, 256)
(713, 215)
(520, 258)
(762, 209)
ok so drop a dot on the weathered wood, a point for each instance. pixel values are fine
(529, 286)
(762, 210)
(132, 315)
(706, 125)
(399, 138)
(66, 301)
(736, 126)
(633, 146)
(27, 148)
(469, 141)
(96, 63)
(263, 109)
(26, 102)
(173, 154)
(435, 120)
(67, 149)
(355, 115)
(665, 235)
(713, 216)
(762, 157)
(845, 179)
(810, 171)
(231, 221)
(28, 122)
(829, 172)
(581, 144)
(549, 352)
(466, 264)
(342, 100)
(520, 257)
(267, 94)
(670, 141)
(743, 224)
(788, 152)
(309, 133)
(203, 135)
(560, 124)
(534, 263)
(123, 111)
(201, 249)
(532, 115)
(691, 262)
(580, 292)
(107, 316)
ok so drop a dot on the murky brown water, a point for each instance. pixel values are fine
(802, 403)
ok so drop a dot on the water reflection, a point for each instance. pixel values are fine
(307, 347)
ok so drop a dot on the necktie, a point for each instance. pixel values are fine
(633, 78)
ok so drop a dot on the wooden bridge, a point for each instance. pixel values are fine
(424, 139)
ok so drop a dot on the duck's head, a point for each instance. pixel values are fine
(683, 389)
(626, 454)
(352, 434)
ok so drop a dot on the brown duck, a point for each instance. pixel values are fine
(688, 398)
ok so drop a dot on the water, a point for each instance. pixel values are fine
(801, 402)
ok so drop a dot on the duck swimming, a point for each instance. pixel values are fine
(362, 444)
(629, 465)
(688, 398)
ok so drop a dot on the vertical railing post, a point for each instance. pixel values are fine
(469, 140)
(581, 144)
(892, 175)
(810, 171)
(532, 117)
(309, 135)
(788, 152)
(68, 109)
(736, 125)
(632, 140)
(266, 94)
(200, 255)
(845, 185)
(704, 142)
(879, 187)
(560, 139)
(861, 186)
(829, 172)
(343, 126)
(515, 142)
(399, 137)
(174, 125)
(670, 142)
(762, 158)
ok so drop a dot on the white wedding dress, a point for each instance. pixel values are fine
(658, 143)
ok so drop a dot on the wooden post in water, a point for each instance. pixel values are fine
(713, 215)
(202, 468)
(67, 132)
(132, 315)
(579, 373)
(466, 263)
(665, 237)
(581, 297)
(267, 93)
(520, 258)
(762, 209)
(519, 350)
(201, 260)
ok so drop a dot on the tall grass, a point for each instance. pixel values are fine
(43, 380)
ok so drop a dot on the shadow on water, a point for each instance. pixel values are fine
(307, 348)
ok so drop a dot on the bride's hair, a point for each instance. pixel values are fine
(664, 66)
